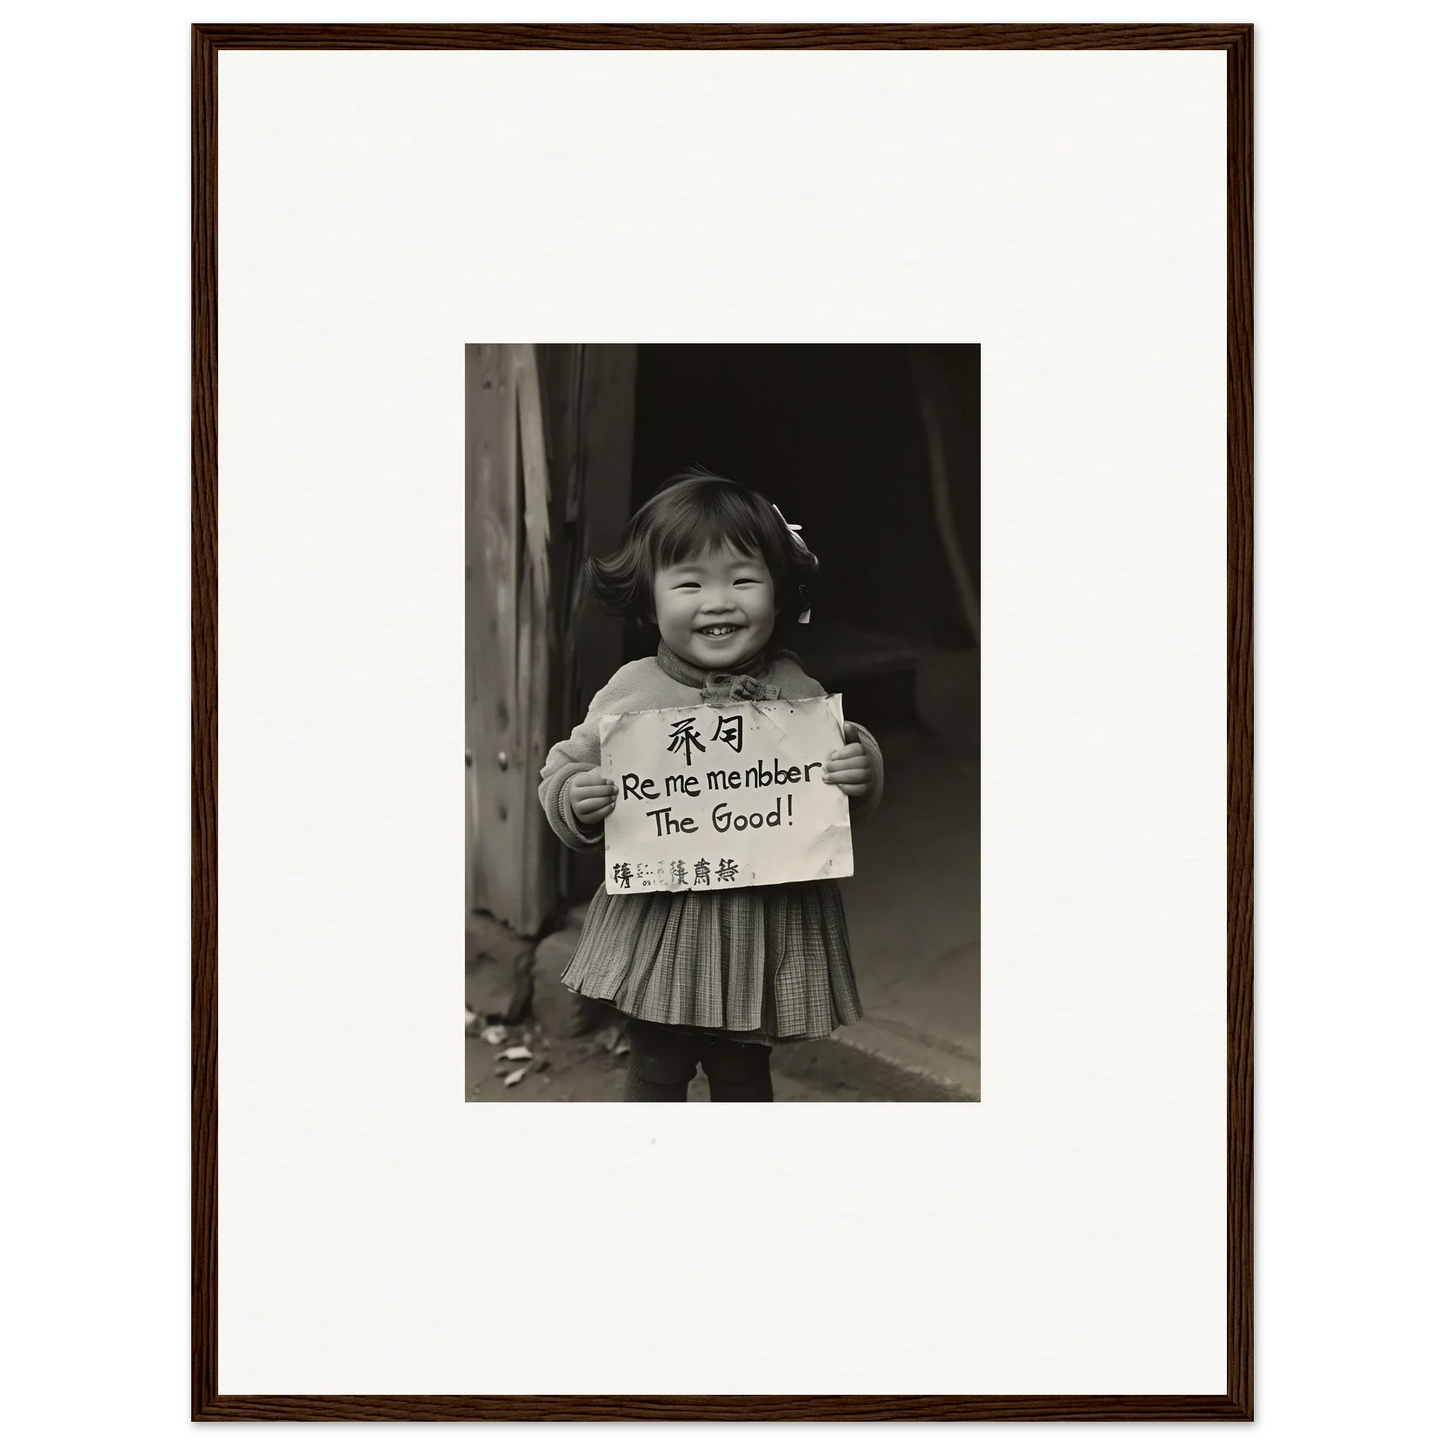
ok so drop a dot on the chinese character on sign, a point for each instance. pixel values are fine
(622, 874)
(702, 873)
(679, 872)
(730, 731)
(727, 871)
(685, 737)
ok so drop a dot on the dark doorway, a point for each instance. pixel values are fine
(874, 451)
(834, 435)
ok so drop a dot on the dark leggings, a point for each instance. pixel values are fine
(663, 1061)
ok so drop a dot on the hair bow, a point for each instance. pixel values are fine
(796, 533)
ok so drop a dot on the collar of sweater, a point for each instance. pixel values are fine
(749, 679)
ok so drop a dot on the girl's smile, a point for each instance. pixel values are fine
(716, 610)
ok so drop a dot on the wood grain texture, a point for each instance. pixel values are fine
(588, 398)
(723, 37)
(509, 645)
(537, 677)
(1240, 686)
(493, 565)
(1237, 1402)
(204, 1153)
(723, 1407)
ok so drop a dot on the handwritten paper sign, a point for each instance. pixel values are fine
(725, 797)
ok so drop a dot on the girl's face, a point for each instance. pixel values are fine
(716, 610)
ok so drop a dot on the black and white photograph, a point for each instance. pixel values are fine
(722, 682)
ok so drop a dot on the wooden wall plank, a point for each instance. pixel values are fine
(512, 638)
(492, 525)
(536, 854)
(471, 394)
(606, 381)
(559, 369)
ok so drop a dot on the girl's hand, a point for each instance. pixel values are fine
(849, 768)
(593, 796)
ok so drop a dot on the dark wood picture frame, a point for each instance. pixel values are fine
(1237, 1403)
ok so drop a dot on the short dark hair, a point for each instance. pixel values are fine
(692, 513)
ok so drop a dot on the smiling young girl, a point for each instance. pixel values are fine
(712, 978)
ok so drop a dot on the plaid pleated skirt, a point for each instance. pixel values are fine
(770, 963)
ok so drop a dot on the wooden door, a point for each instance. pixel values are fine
(548, 481)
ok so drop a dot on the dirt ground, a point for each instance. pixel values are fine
(591, 1070)
(583, 1071)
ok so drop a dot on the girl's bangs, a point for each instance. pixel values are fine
(690, 533)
